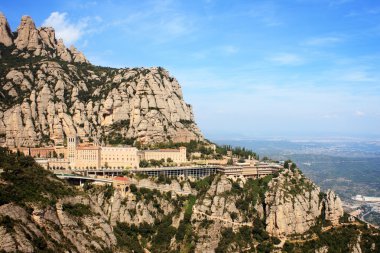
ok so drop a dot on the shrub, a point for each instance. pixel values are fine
(26, 181)
(78, 209)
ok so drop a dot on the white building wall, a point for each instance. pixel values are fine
(119, 157)
(177, 155)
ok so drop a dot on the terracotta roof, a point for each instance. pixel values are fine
(162, 150)
(88, 148)
(45, 148)
(120, 179)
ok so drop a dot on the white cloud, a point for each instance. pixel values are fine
(287, 59)
(330, 116)
(323, 41)
(359, 113)
(65, 29)
(357, 76)
(229, 49)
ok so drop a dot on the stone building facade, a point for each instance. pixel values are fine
(177, 155)
(119, 157)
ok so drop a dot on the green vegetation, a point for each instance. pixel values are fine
(78, 209)
(186, 123)
(159, 234)
(7, 222)
(253, 192)
(155, 163)
(202, 185)
(115, 138)
(162, 179)
(240, 152)
(295, 185)
(244, 238)
(337, 240)
(26, 181)
(108, 191)
(206, 150)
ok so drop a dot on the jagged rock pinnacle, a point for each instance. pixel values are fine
(5, 31)
(27, 34)
(77, 55)
(37, 42)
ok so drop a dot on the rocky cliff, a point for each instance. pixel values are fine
(294, 203)
(280, 213)
(49, 91)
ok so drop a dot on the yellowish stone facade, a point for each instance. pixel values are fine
(177, 155)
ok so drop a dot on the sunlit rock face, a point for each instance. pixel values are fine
(50, 92)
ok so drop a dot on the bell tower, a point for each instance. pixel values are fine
(72, 143)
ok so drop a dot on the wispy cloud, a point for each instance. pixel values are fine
(67, 30)
(266, 12)
(323, 41)
(229, 49)
(357, 76)
(159, 21)
(287, 59)
(330, 116)
(359, 113)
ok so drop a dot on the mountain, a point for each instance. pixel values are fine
(48, 92)
(285, 212)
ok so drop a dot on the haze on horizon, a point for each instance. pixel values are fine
(249, 68)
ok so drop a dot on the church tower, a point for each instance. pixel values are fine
(72, 143)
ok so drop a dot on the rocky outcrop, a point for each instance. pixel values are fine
(332, 207)
(43, 101)
(53, 228)
(150, 212)
(77, 56)
(291, 211)
(27, 35)
(31, 42)
(5, 31)
(293, 205)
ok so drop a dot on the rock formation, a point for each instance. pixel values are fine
(5, 31)
(294, 203)
(333, 207)
(228, 214)
(53, 92)
(27, 35)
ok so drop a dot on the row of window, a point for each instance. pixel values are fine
(117, 159)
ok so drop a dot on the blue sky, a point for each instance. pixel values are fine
(251, 69)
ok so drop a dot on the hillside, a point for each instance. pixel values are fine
(48, 92)
(280, 213)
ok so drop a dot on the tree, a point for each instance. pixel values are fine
(144, 163)
(169, 160)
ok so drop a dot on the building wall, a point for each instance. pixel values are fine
(87, 158)
(72, 143)
(177, 155)
(61, 150)
(23, 150)
(42, 152)
(119, 157)
(58, 164)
